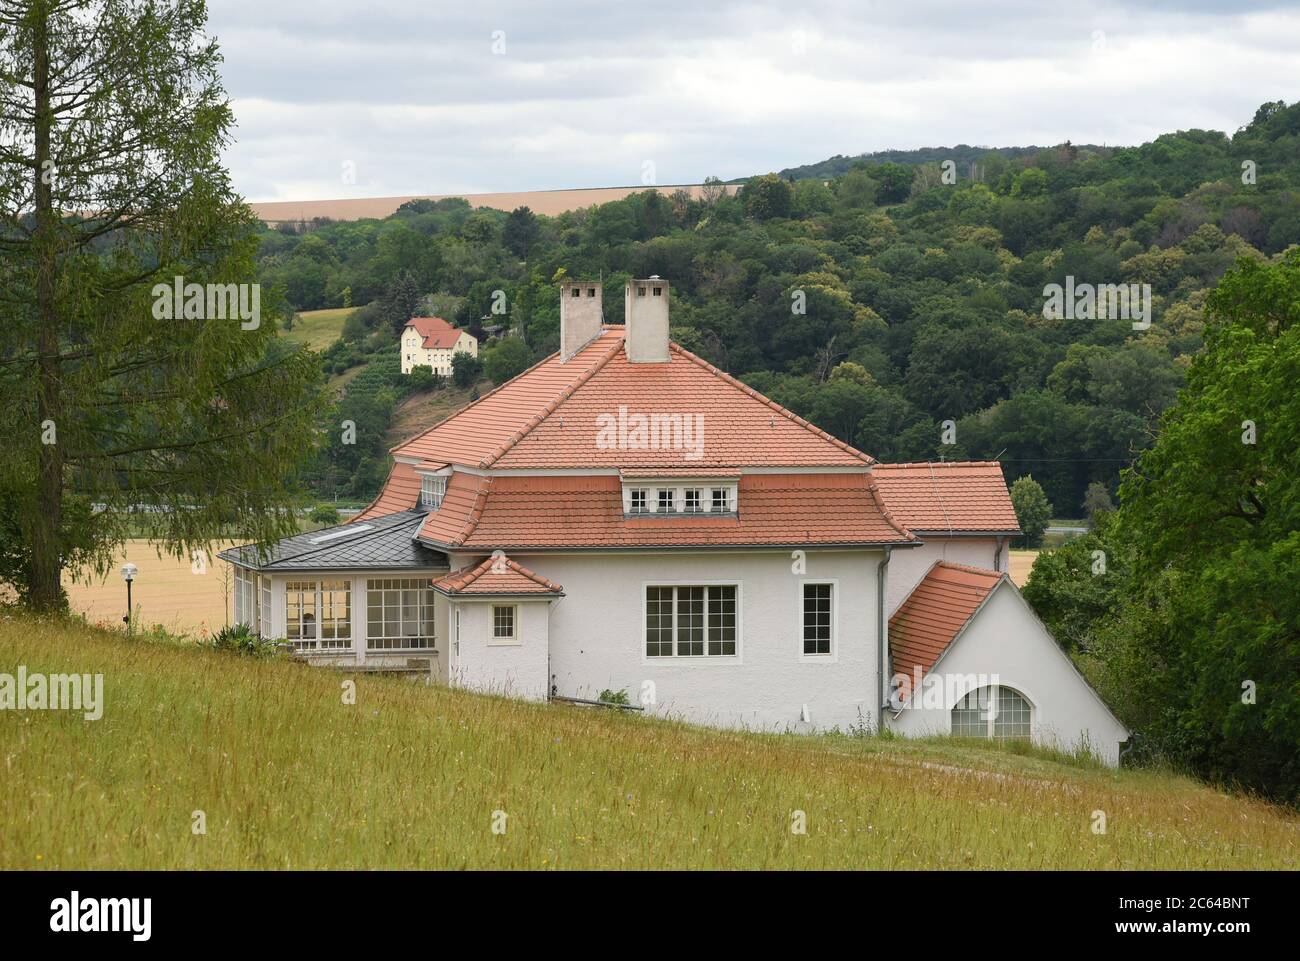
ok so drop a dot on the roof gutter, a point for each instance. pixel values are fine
(881, 625)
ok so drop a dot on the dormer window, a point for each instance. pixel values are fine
(638, 503)
(721, 503)
(667, 500)
(694, 501)
(432, 491)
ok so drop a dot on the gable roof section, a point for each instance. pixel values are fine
(936, 611)
(954, 496)
(380, 543)
(497, 575)
(561, 512)
(551, 417)
(437, 333)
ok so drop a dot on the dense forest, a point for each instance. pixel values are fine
(922, 288)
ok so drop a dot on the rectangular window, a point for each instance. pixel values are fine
(264, 623)
(432, 491)
(318, 615)
(667, 499)
(503, 622)
(817, 607)
(399, 613)
(638, 501)
(576, 292)
(694, 500)
(721, 500)
(691, 621)
(640, 291)
(658, 291)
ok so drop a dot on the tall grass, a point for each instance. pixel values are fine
(287, 775)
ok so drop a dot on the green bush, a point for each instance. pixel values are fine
(242, 640)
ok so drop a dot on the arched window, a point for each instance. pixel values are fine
(992, 712)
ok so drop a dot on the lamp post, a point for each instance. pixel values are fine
(128, 575)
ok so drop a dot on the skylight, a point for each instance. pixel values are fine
(347, 531)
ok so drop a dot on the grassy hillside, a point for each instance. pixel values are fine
(319, 328)
(288, 776)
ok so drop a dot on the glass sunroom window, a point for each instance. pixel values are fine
(399, 613)
(993, 712)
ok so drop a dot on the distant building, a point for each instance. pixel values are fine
(432, 342)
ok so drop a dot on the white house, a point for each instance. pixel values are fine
(625, 516)
(433, 342)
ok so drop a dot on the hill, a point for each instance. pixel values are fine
(287, 775)
(319, 328)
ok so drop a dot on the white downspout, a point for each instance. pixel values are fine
(883, 653)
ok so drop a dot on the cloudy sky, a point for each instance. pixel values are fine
(428, 96)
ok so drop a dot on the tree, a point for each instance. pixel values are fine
(1096, 502)
(401, 301)
(324, 515)
(465, 369)
(1032, 509)
(505, 359)
(767, 197)
(114, 108)
(521, 231)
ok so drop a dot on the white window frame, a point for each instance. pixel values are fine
(990, 720)
(632, 501)
(516, 637)
(713, 500)
(433, 488)
(659, 500)
(706, 657)
(316, 642)
(834, 584)
(426, 618)
(698, 507)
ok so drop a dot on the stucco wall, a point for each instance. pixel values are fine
(598, 637)
(907, 567)
(516, 670)
(1006, 639)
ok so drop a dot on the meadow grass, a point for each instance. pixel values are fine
(411, 776)
(319, 328)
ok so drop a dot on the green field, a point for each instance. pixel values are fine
(286, 775)
(319, 328)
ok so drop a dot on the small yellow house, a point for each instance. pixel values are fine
(432, 342)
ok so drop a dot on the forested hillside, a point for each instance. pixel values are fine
(923, 299)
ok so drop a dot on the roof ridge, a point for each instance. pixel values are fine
(475, 513)
(555, 402)
(942, 463)
(764, 399)
(474, 403)
(970, 568)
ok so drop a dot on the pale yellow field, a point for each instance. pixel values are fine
(1021, 564)
(166, 591)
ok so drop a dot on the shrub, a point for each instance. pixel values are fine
(242, 640)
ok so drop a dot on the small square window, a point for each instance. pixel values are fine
(667, 499)
(640, 291)
(432, 491)
(591, 291)
(638, 501)
(658, 291)
(721, 500)
(577, 292)
(694, 500)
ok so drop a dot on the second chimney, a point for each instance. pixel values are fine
(645, 312)
(581, 314)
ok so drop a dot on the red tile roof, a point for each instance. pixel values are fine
(958, 496)
(438, 334)
(582, 414)
(495, 575)
(401, 492)
(932, 616)
(586, 511)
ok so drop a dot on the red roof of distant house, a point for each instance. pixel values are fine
(932, 616)
(438, 334)
(957, 496)
(514, 512)
(584, 414)
(495, 575)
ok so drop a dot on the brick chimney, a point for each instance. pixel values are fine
(581, 314)
(645, 312)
